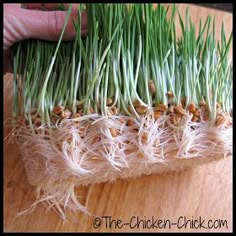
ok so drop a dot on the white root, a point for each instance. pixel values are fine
(81, 151)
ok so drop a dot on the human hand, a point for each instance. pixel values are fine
(30, 22)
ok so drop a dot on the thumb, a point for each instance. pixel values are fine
(46, 25)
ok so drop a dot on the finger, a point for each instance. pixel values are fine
(48, 25)
(20, 24)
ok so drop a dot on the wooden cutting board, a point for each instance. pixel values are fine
(204, 191)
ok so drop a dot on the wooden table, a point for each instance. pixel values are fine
(204, 192)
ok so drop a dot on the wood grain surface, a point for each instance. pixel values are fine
(204, 191)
